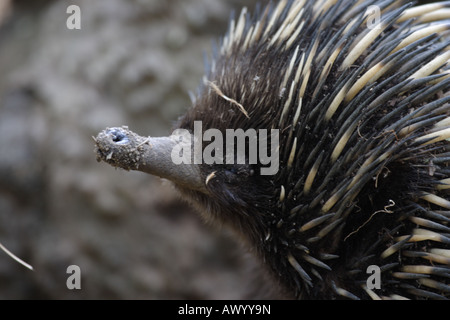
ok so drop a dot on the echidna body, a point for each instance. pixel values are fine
(362, 105)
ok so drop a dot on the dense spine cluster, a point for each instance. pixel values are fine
(363, 107)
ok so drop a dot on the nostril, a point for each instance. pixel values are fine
(118, 136)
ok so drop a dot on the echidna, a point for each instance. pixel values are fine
(358, 94)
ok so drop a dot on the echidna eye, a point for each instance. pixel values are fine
(230, 175)
(237, 173)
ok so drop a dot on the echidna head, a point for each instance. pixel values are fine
(342, 115)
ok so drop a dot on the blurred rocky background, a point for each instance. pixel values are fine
(132, 63)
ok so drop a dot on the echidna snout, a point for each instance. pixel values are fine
(361, 104)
